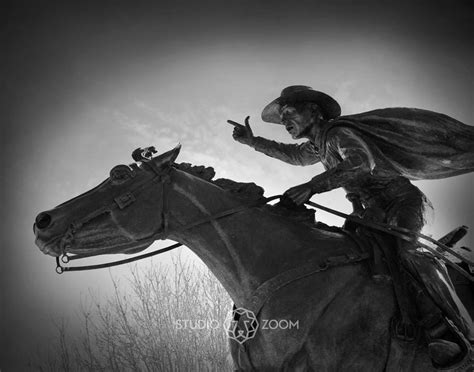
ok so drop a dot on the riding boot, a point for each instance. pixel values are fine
(447, 343)
(432, 279)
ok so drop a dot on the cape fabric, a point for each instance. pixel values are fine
(420, 144)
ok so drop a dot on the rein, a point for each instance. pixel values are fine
(405, 234)
(396, 231)
(65, 258)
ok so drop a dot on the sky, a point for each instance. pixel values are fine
(85, 84)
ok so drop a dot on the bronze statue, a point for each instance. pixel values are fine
(373, 156)
(269, 262)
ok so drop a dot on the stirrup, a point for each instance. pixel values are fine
(444, 352)
(464, 360)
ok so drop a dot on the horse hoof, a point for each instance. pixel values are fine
(444, 353)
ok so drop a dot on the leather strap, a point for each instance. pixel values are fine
(263, 293)
(396, 231)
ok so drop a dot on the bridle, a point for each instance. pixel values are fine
(164, 180)
(162, 233)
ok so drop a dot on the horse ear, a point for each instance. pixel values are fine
(167, 159)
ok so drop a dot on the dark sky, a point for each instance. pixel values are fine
(56, 50)
(70, 72)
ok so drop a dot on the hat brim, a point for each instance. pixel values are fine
(330, 109)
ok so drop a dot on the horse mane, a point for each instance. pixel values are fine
(200, 171)
(249, 191)
(245, 190)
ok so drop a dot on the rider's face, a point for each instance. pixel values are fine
(296, 122)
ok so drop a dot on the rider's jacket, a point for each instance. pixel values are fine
(350, 162)
(380, 150)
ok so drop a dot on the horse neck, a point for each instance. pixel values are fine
(244, 249)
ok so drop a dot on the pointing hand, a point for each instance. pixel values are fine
(242, 133)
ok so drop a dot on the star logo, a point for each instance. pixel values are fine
(241, 325)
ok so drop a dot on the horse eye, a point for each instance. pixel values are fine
(120, 174)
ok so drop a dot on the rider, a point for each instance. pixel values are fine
(373, 155)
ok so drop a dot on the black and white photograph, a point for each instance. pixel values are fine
(238, 185)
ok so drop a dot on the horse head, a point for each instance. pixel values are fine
(123, 214)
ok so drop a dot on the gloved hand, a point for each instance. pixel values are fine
(301, 193)
(242, 133)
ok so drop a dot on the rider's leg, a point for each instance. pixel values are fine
(446, 341)
(440, 292)
(408, 211)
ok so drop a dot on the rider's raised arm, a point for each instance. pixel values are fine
(297, 154)
(354, 160)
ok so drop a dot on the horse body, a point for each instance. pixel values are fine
(343, 325)
(245, 249)
(333, 308)
(343, 316)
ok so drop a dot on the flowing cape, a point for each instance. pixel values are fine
(420, 144)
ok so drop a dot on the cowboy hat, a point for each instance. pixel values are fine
(330, 109)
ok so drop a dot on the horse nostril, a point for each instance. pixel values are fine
(43, 220)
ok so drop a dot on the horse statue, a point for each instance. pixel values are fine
(271, 260)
